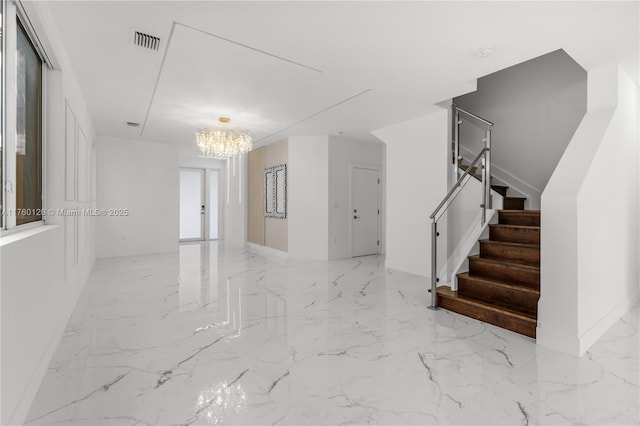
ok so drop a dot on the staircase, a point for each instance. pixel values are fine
(502, 285)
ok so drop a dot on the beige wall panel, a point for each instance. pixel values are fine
(276, 233)
(277, 153)
(255, 194)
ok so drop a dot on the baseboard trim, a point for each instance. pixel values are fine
(578, 345)
(589, 337)
(264, 250)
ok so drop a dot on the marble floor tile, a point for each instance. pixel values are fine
(216, 334)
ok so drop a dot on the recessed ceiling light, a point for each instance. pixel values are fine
(484, 52)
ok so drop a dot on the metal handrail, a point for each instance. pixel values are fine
(485, 155)
(457, 184)
(487, 122)
(456, 131)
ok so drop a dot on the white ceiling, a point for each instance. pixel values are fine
(300, 68)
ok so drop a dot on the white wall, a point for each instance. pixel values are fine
(536, 107)
(417, 159)
(44, 269)
(589, 240)
(383, 202)
(343, 153)
(235, 204)
(308, 197)
(142, 177)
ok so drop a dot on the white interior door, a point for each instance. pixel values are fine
(365, 214)
(191, 204)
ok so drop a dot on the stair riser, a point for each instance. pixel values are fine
(507, 273)
(502, 190)
(511, 204)
(528, 328)
(511, 298)
(530, 256)
(515, 235)
(519, 219)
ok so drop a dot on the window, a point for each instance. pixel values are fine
(21, 146)
(2, 225)
(28, 131)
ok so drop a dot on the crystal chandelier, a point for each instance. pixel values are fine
(215, 403)
(223, 143)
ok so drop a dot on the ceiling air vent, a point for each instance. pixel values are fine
(145, 41)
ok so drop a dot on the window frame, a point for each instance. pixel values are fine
(12, 13)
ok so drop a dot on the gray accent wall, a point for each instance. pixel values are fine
(536, 107)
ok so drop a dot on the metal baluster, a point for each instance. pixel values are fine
(487, 166)
(456, 142)
(434, 265)
(484, 188)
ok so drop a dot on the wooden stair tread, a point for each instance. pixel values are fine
(527, 252)
(521, 212)
(515, 233)
(499, 292)
(504, 225)
(510, 244)
(445, 291)
(518, 217)
(507, 263)
(502, 284)
(519, 322)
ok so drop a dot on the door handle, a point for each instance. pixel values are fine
(356, 217)
(202, 209)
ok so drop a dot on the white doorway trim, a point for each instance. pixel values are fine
(207, 202)
(201, 175)
(377, 168)
(205, 174)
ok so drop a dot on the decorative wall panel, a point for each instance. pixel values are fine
(70, 154)
(275, 191)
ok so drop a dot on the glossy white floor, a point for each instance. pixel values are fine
(220, 335)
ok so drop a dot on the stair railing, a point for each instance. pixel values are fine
(484, 159)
